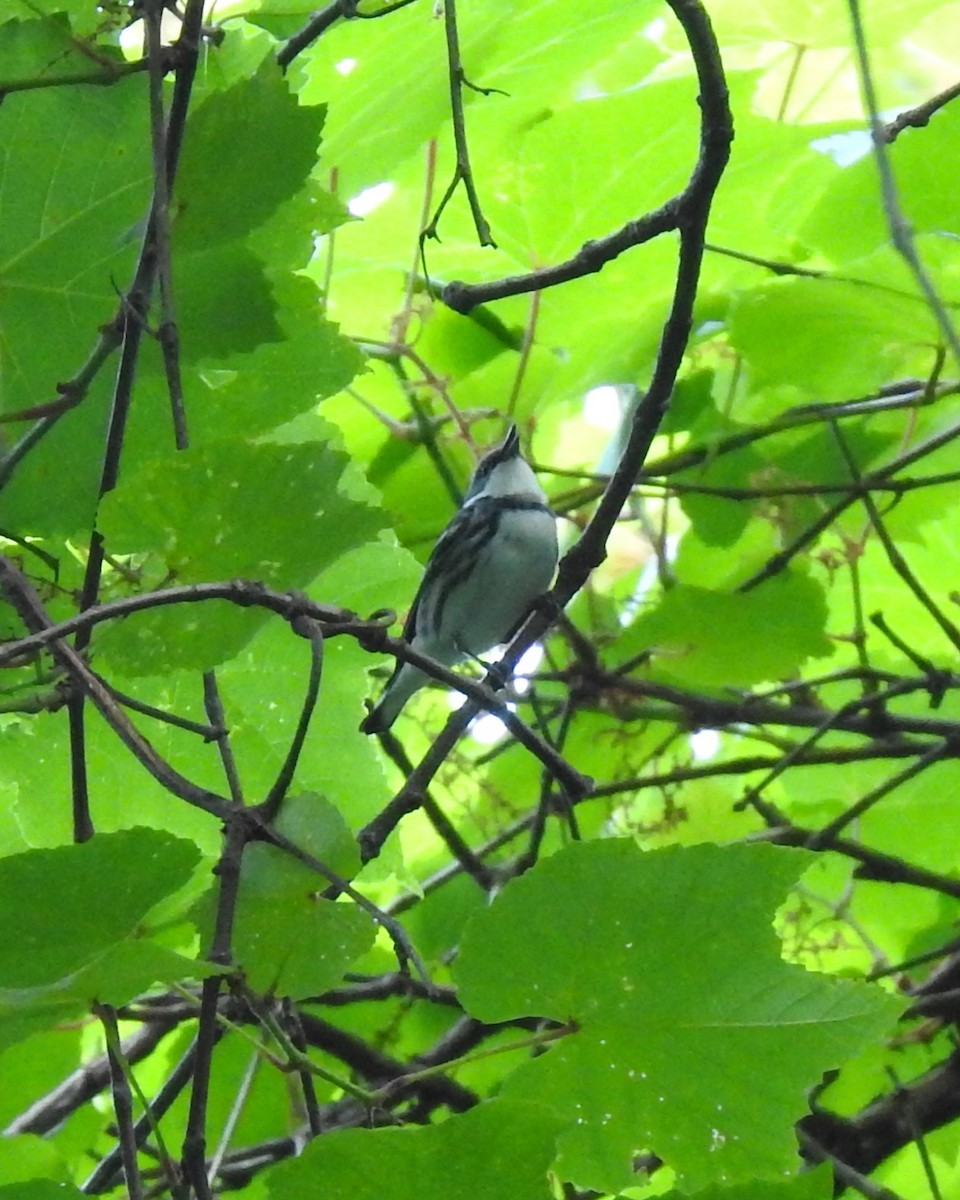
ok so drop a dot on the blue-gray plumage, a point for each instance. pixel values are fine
(497, 555)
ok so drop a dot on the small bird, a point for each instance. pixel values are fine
(493, 560)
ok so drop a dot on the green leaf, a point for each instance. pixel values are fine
(717, 520)
(550, 203)
(255, 392)
(926, 166)
(258, 112)
(224, 302)
(59, 952)
(317, 827)
(74, 181)
(164, 510)
(28, 1157)
(497, 1151)
(368, 132)
(47, 49)
(49, 933)
(814, 1185)
(288, 940)
(40, 1189)
(863, 335)
(669, 966)
(715, 639)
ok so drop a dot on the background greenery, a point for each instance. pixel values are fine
(729, 958)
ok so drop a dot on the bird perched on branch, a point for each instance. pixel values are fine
(493, 560)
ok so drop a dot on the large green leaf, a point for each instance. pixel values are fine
(262, 114)
(74, 183)
(498, 1151)
(40, 1189)
(46, 49)
(288, 940)
(925, 165)
(667, 964)
(166, 511)
(863, 335)
(817, 1185)
(50, 933)
(59, 952)
(716, 639)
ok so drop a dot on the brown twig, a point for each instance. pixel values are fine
(463, 172)
(313, 632)
(194, 1161)
(917, 118)
(23, 597)
(213, 706)
(122, 1104)
(323, 19)
(900, 231)
(167, 331)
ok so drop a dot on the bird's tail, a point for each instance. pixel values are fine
(398, 691)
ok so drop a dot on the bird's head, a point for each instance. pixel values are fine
(503, 471)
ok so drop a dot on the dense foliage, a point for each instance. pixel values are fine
(681, 918)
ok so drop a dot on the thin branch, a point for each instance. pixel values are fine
(403, 947)
(314, 634)
(529, 335)
(104, 1175)
(894, 556)
(900, 231)
(129, 1142)
(780, 268)
(233, 1116)
(242, 592)
(372, 836)
(83, 829)
(323, 19)
(918, 117)
(592, 257)
(294, 1025)
(71, 393)
(209, 733)
(904, 1096)
(874, 864)
(824, 836)
(919, 661)
(109, 72)
(213, 705)
(24, 598)
(228, 874)
(400, 326)
(463, 172)
(122, 1104)
(871, 702)
(167, 330)
(545, 802)
(379, 1068)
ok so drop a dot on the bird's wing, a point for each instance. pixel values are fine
(454, 555)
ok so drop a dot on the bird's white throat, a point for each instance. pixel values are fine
(512, 478)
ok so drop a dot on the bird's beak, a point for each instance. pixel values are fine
(511, 443)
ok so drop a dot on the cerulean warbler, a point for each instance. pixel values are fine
(493, 560)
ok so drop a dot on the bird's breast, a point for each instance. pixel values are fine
(515, 567)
